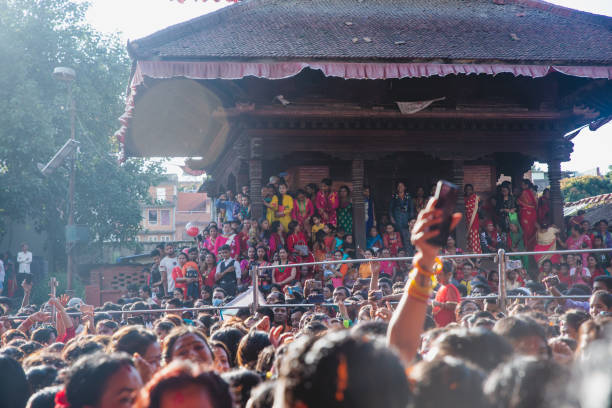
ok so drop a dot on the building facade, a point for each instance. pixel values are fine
(386, 91)
(169, 210)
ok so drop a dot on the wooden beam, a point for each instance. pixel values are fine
(358, 112)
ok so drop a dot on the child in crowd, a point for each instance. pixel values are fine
(317, 226)
(392, 239)
(374, 240)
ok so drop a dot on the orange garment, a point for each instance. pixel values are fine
(365, 269)
(193, 265)
(446, 293)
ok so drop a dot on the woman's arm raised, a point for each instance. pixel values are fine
(406, 325)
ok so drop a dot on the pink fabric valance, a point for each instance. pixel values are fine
(348, 70)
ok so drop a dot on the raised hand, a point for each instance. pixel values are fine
(263, 324)
(275, 336)
(145, 369)
(64, 299)
(27, 287)
(422, 232)
(40, 317)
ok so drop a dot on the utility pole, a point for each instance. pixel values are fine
(70, 245)
(68, 75)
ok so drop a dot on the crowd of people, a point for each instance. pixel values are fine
(393, 333)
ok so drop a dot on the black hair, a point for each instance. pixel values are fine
(328, 371)
(327, 182)
(266, 311)
(176, 303)
(225, 248)
(483, 348)
(345, 289)
(447, 382)
(155, 253)
(291, 227)
(262, 396)
(265, 360)
(43, 334)
(14, 387)
(30, 346)
(371, 328)
(175, 335)
(515, 328)
(45, 398)
(250, 346)
(241, 383)
(11, 352)
(527, 383)
(40, 377)
(574, 318)
(132, 339)
(607, 280)
(182, 374)
(230, 336)
(165, 325)
(87, 378)
(605, 297)
(79, 348)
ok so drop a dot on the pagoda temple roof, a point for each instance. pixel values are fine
(444, 31)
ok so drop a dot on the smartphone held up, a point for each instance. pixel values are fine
(446, 199)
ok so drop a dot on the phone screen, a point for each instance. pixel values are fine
(446, 196)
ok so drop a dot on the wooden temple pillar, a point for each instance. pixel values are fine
(559, 152)
(255, 178)
(457, 173)
(357, 178)
(556, 199)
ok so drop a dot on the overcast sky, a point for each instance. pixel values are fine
(133, 19)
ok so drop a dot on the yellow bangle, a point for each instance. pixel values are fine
(437, 267)
(416, 290)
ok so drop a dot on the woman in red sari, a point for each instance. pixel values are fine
(327, 202)
(302, 210)
(528, 215)
(472, 202)
(544, 215)
(297, 244)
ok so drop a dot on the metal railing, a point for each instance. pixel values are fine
(499, 258)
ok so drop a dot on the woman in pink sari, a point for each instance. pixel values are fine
(472, 203)
(578, 240)
(528, 214)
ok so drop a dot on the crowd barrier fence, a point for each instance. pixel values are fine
(499, 258)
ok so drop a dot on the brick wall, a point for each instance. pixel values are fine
(303, 175)
(481, 176)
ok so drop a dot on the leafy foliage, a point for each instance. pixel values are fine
(577, 188)
(35, 37)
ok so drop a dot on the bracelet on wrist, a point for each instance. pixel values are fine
(436, 267)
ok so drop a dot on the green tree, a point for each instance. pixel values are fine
(35, 37)
(577, 188)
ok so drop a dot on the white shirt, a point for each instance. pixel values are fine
(226, 263)
(2, 272)
(168, 264)
(24, 259)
